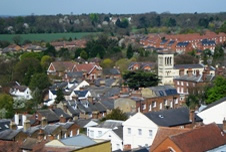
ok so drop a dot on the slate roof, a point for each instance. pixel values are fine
(79, 140)
(58, 85)
(208, 42)
(82, 122)
(50, 128)
(9, 134)
(119, 131)
(81, 93)
(49, 114)
(108, 103)
(96, 106)
(84, 109)
(66, 125)
(187, 66)
(170, 43)
(215, 103)
(194, 78)
(182, 44)
(165, 90)
(200, 139)
(171, 117)
(31, 130)
(29, 143)
(59, 112)
(111, 71)
(107, 82)
(110, 124)
(4, 124)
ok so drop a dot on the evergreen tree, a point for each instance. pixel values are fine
(129, 52)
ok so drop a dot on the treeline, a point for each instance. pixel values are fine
(122, 24)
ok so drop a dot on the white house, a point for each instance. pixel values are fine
(20, 92)
(215, 112)
(116, 137)
(139, 131)
(83, 84)
(80, 94)
(99, 130)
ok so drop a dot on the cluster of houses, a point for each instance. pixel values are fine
(70, 45)
(157, 118)
(183, 43)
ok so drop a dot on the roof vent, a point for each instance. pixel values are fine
(161, 116)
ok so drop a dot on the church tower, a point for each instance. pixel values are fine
(165, 68)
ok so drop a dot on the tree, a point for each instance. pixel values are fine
(218, 90)
(60, 96)
(6, 106)
(30, 55)
(106, 63)
(116, 114)
(185, 59)
(192, 101)
(136, 79)
(84, 55)
(45, 62)
(25, 69)
(50, 50)
(129, 52)
(40, 81)
(17, 39)
(171, 22)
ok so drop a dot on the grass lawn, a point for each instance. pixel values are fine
(46, 36)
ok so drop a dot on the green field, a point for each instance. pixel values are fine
(46, 36)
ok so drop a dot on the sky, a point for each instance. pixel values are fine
(53, 7)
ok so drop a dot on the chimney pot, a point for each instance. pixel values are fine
(13, 125)
(43, 122)
(27, 125)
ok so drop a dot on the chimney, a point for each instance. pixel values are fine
(90, 99)
(65, 107)
(224, 124)
(181, 72)
(16, 117)
(41, 135)
(13, 125)
(27, 125)
(62, 119)
(197, 73)
(192, 116)
(24, 118)
(102, 83)
(189, 72)
(43, 122)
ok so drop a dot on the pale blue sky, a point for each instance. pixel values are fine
(40, 7)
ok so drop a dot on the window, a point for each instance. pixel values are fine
(182, 90)
(139, 132)
(149, 107)
(182, 83)
(187, 84)
(144, 106)
(176, 101)
(99, 133)
(165, 102)
(160, 105)
(91, 133)
(171, 104)
(118, 146)
(71, 133)
(150, 133)
(154, 104)
(129, 131)
(178, 89)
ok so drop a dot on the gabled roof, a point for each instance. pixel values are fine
(200, 139)
(215, 103)
(79, 140)
(61, 66)
(83, 122)
(50, 128)
(81, 93)
(171, 117)
(187, 66)
(59, 112)
(4, 124)
(29, 143)
(110, 124)
(163, 133)
(165, 90)
(49, 114)
(9, 134)
(88, 68)
(119, 132)
(111, 71)
(184, 44)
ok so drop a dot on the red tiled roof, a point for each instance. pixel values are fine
(84, 67)
(201, 139)
(163, 133)
(63, 65)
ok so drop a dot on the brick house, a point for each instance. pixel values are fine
(200, 139)
(183, 47)
(158, 98)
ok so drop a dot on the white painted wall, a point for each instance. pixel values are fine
(116, 141)
(139, 121)
(95, 132)
(22, 95)
(214, 114)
